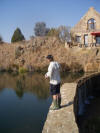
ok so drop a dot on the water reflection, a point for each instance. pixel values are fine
(24, 102)
(19, 90)
(35, 84)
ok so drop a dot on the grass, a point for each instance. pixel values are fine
(22, 70)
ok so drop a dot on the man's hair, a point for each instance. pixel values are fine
(50, 57)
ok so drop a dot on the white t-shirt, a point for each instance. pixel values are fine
(54, 73)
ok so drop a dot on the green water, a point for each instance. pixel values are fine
(25, 101)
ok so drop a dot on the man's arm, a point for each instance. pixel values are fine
(50, 71)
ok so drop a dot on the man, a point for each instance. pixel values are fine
(54, 75)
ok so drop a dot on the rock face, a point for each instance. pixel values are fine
(63, 120)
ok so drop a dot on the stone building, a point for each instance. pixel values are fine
(87, 31)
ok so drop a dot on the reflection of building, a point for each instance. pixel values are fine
(87, 30)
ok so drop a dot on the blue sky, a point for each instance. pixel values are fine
(25, 13)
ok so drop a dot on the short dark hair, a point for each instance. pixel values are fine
(50, 57)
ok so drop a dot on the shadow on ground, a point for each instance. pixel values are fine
(66, 105)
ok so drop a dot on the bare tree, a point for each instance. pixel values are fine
(64, 33)
(40, 29)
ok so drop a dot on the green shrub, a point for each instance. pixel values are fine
(17, 36)
(22, 70)
(1, 39)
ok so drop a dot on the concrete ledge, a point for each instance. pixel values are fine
(74, 98)
(63, 120)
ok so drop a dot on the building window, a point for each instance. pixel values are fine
(78, 39)
(98, 40)
(91, 24)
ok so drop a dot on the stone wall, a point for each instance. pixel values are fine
(87, 88)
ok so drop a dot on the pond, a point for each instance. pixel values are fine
(25, 101)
